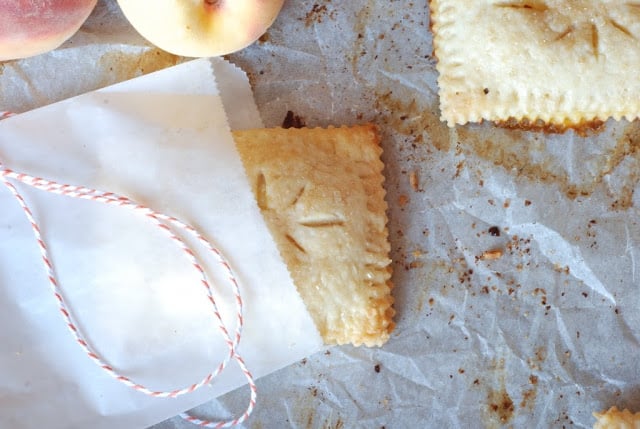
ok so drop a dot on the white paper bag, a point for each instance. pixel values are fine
(163, 141)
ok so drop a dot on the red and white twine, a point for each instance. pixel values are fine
(168, 224)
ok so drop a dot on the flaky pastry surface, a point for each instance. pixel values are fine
(321, 194)
(614, 418)
(561, 62)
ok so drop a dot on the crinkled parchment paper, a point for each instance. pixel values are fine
(539, 336)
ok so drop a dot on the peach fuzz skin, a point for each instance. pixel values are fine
(29, 27)
(201, 28)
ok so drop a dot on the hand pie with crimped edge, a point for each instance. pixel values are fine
(562, 63)
(321, 194)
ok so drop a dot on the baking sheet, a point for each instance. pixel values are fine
(539, 337)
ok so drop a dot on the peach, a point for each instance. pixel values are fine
(201, 28)
(29, 27)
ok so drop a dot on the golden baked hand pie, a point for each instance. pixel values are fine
(616, 419)
(322, 197)
(537, 61)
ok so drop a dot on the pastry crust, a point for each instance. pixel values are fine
(561, 62)
(321, 194)
(616, 419)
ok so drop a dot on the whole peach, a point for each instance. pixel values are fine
(201, 28)
(31, 27)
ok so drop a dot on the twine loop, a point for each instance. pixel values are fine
(169, 225)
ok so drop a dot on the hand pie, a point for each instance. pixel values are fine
(321, 194)
(563, 63)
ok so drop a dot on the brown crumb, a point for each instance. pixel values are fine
(315, 15)
(489, 255)
(494, 231)
(413, 180)
(293, 121)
